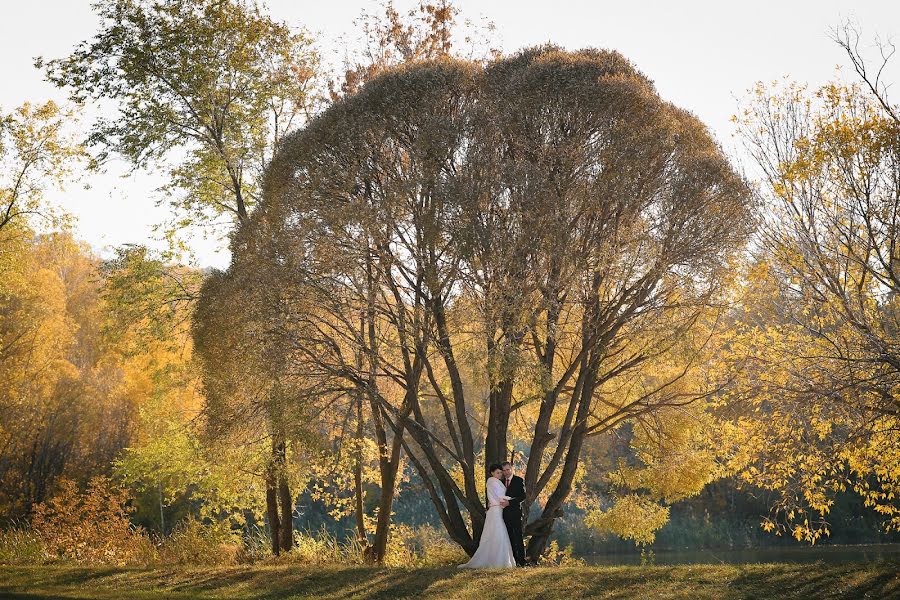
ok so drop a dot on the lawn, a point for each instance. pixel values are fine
(273, 582)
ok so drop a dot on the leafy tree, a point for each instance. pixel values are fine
(37, 149)
(148, 305)
(250, 394)
(65, 410)
(815, 409)
(207, 87)
(533, 233)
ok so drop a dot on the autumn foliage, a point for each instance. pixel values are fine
(91, 526)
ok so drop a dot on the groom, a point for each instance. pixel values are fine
(512, 513)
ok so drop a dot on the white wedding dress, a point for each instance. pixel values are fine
(494, 549)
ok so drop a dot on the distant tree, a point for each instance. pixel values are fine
(428, 30)
(65, 410)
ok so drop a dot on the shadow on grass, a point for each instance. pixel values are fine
(818, 580)
(272, 582)
(332, 582)
(41, 596)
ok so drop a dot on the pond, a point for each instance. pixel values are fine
(799, 554)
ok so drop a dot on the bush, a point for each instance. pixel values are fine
(90, 527)
(196, 543)
(324, 548)
(407, 546)
(422, 546)
(554, 557)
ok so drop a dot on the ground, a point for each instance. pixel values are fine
(879, 580)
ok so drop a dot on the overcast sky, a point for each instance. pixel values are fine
(702, 55)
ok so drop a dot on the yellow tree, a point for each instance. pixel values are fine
(64, 410)
(147, 308)
(817, 355)
(37, 150)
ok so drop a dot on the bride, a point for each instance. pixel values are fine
(494, 549)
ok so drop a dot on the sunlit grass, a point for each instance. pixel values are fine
(281, 581)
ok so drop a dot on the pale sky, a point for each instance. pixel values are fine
(702, 55)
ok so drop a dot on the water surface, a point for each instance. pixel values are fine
(799, 554)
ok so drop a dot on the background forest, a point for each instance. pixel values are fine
(442, 256)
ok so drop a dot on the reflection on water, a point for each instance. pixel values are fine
(800, 554)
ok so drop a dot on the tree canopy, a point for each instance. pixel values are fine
(548, 217)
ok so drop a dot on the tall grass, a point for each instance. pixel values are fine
(19, 545)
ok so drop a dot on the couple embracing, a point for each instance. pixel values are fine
(501, 542)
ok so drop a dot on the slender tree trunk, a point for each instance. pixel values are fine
(388, 450)
(378, 550)
(361, 534)
(272, 510)
(357, 476)
(388, 465)
(162, 516)
(286, 500)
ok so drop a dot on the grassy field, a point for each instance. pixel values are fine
(273, 582)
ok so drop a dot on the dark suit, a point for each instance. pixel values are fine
(512, 517)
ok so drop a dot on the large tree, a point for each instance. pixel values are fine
(518, 241)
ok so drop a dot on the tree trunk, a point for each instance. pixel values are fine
(495, 445)
(377, 551)
(389, 465)
(272, 510)
(388, 454)
(287, 504)
(162, 515)
(357, 476)
(542, 528)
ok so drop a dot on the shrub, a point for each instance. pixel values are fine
(196, 543)
(91, 526)
(554, 557)
(323, 548)
(407, 546)
(422, 546)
